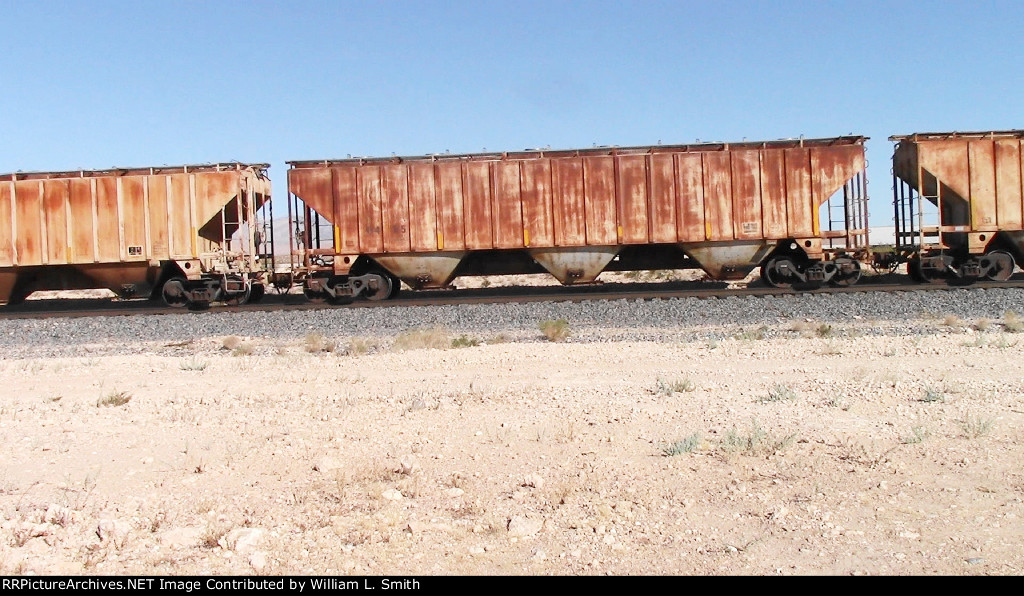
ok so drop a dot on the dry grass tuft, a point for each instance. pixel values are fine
(243, 349)
(434, 338)
(114, 399)
(953, 321)
(557, 330)
(357, 346)
(316, 343)
(804, 328)
(193, 364)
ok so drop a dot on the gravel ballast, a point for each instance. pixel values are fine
(594, 320)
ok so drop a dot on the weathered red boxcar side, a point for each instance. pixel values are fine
(960, 203)
(134, 231)
(721, 207)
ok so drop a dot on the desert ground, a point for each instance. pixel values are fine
(798, 448)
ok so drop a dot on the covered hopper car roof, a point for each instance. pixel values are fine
(117, 172)
(603, 150)
(945, 136)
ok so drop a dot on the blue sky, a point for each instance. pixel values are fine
(100, 84)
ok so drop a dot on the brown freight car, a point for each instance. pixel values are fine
(959, 204)
(163, 231)
(359, 225)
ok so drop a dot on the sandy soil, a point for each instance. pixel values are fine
(824, 450)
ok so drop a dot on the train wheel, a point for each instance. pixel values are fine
(1001, 265)
(396, 285)
(239, 298)
(174, 293)
(916, 272)
(845, 279)
(772, 272)
(314, 296)
(385, 287)
(256, 293)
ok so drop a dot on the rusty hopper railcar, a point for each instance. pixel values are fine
(959, 204)
(360, 225)
(153, 232)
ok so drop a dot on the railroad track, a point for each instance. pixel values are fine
(37, 309)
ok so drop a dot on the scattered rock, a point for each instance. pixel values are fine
(392, 494)
(244, 540)
(113, 530)
(408, 465)
(176, 538)
(258, 560)
(523, 525)
(327, 464)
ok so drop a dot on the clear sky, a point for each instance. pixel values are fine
(95, 84)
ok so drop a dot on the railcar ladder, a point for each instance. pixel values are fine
(309, 231)
(265, 241)
(225, 237)
(847, 216)
(917, 215)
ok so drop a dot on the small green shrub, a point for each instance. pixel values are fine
(918, 434)
(778, 392)
(464, 341)
(933, 394)
(684, 446)
(976, 426)
(675, 386)
(755, 442)
(753, 334)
